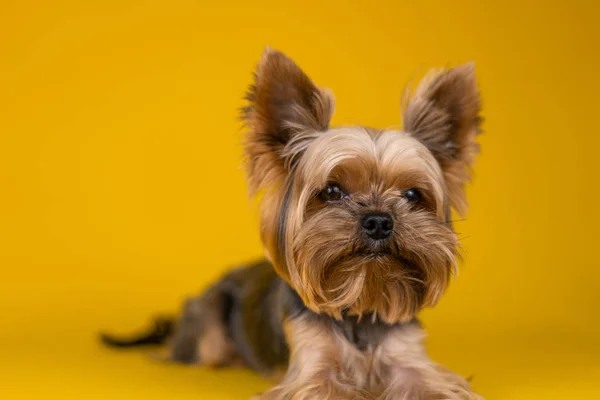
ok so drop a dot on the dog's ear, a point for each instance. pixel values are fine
(282, 103)
(443, 113)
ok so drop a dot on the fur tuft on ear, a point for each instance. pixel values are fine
(443, 114)
(282, 103)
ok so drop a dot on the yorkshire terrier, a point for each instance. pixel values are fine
(356, 225)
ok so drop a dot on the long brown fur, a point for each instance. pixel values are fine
(335, 305)
(324, 365)
(318, 249)
(444, 114)
(290, 143)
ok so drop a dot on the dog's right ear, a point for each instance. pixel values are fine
(282, 103)
(443, 114)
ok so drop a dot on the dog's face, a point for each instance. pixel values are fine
(357, 220)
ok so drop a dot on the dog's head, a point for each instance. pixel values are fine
(355, 219)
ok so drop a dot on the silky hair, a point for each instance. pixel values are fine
(318, 247)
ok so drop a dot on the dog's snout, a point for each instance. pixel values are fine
(378, 225)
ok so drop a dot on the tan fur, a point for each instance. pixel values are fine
(215, 347)
(277, 375)
(356, 227)
(407, 373)
(374, 167)
(319, 247)
(444, 114)
(291, 151)
(282, 101)
(322, 365)
(325, 366)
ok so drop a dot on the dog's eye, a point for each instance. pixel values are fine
(332, 192)
(412, 195)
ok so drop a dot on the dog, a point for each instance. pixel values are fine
(358, 236)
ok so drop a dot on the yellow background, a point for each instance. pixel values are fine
(121, 189)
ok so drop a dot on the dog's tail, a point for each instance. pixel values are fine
(156, 335)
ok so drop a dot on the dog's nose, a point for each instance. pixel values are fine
(378, 225)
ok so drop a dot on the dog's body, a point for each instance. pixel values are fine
(356, 225)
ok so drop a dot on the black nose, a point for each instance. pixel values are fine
(377, 225)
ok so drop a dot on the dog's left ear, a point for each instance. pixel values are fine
(282, 104)
(443, 114)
